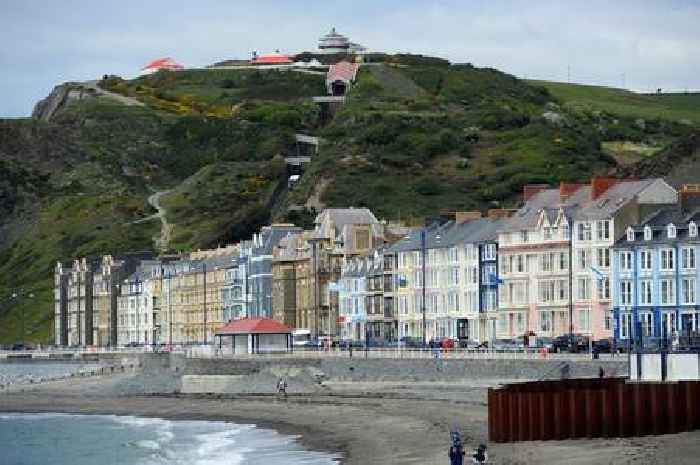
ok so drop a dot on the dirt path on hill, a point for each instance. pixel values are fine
(130, 101)
(166, 229)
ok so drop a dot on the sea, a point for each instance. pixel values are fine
(61, 439)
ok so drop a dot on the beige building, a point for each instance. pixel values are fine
(313, 260)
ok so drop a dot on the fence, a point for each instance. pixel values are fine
(591, 408)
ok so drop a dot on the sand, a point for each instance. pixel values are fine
(367, 424)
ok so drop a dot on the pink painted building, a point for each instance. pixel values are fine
(555, 255)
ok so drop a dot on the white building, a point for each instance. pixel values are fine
(460, 281)
(136, 313)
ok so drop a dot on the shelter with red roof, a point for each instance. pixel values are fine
(276, 58)
(254, 336)
(340, 76)
(166, 63)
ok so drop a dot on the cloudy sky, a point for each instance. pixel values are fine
(641, 44)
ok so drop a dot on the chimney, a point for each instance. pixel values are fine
(497, 213)
(530, 190)
(463, 217)
(689, 195)
(600, 185)
(567, 188)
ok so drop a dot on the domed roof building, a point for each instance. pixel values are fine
(338, 43)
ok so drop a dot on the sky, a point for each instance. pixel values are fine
(641, 45)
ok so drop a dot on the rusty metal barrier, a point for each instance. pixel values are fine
(591, 408)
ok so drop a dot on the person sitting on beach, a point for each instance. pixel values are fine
(480, 456)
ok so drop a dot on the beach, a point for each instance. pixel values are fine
(366, 423)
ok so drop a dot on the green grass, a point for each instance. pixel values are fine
(674, 107)
(221, 203)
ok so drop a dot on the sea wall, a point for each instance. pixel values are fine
(250, 375)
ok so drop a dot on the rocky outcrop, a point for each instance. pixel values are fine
(58, 98)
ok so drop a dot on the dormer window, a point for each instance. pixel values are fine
(630, 234)
(671, 231)
(693, 229)
(647, 233)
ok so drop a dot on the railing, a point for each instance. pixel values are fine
(400, 353)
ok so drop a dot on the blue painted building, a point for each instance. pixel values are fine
(655, 276)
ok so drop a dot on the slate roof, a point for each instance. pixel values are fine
(658, 222)
(450, 234)
(578, 205)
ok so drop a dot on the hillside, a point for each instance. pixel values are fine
(416, 135)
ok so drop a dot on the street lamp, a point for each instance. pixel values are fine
(14, 297)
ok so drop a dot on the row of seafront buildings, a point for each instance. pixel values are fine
(606, 258)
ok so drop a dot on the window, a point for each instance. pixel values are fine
(688, 290)
(667, 291)
(671, 231)
(583, 259)
(647, 323)
(584, 320)
(454, 276)
(547, 261)
(625, 325)
(647, 233)
(452, 254)
(603, 230)
(583, 289)
(546, 321)
(546, 291)
(625, 261)
(645, 292)
(667, 259)
(692, 229)
(607, 321)
(520, 264)
(626, 292)
(523, 236)
(547, 232)
(604, 258)
(490, 252)
(604, 288)
(563, 261)
(584, 231)
(645, 257)
(565, 231)
(688, 258)
(630, 234)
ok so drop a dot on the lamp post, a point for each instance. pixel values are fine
(423, 250)
(14, 297)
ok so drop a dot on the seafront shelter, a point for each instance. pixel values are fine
(254, 336)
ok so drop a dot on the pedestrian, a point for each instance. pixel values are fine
(350, 348)
(601, 372)
(456, 455)
(456, 451)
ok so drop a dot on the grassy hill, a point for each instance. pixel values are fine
(674, 107)
(417, 135)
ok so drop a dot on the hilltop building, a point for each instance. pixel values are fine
(167, 64)
(337, 43)
(276, 58)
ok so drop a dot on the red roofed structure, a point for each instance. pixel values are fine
(272, 59)
(255, 335)
(166, 63)
(340, 76)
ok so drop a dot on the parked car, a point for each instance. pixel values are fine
(603, 346)
(411, 342)
(545, 343)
